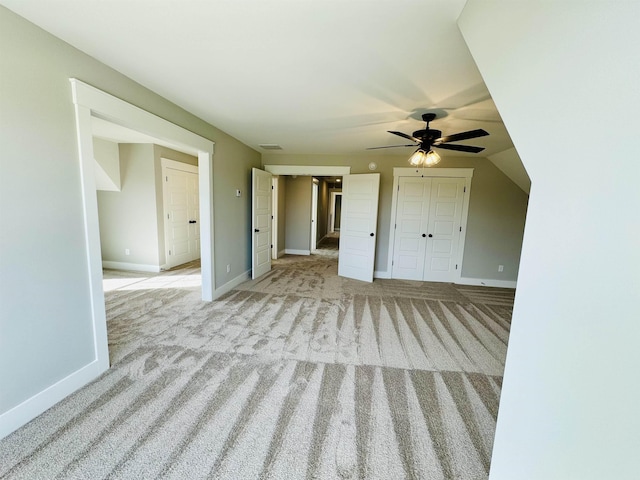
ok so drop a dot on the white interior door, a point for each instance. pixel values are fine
(261, 202)
(443, 236)
(358, 226)
(181, 213)
(412, 219)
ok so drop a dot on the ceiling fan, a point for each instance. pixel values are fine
(427, 138)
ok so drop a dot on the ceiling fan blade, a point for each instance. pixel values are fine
(461, 148)
(404, 135)
(456, 137)
(390, 146)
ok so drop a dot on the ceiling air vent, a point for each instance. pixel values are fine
(270, 146)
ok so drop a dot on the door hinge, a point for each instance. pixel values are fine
(271, 187)
(271, 246)
(169, 252)
(398, 187)
(168, 217)
(456, 266)
(166, 179)
(460, 228)
(464, 189)
(271, 217)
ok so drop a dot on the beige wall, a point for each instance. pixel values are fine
(47, 332)
(129, 218)
(497, 210)
(107, 157)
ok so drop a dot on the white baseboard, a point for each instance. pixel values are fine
(21, 414)
(231, 284)
(487, 282)
(133, 267)
(378, 274)
(281, 253)
(291, 251)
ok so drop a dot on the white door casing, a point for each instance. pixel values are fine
(181, 212)
(314, 216)
(274, 216)
(358, 226)
(261, 202)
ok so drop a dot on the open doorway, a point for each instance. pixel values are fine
(334, 213)
(301, 209)
(89, 103)
(359, 256)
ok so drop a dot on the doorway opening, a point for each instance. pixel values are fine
(292, 198)
(90, 103)
(335, 212)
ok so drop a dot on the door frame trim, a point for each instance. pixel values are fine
(311, 170)
(315, 192)
(275, 185)
(466, 173)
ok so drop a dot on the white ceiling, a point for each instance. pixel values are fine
(314, 76)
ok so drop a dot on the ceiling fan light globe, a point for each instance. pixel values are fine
(418, 158)
(431, 159)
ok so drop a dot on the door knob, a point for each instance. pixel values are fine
(192, 221)
(430, 235)
(256, 230)
(424, 235)
(371, 234)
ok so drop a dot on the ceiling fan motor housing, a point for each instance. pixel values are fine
(427, 134)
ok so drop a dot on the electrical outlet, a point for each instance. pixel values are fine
(228, 268)
(501, 268)
(127, 251)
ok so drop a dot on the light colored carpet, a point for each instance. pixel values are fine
(297, 375)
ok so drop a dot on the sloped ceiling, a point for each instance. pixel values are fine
(319, 76)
